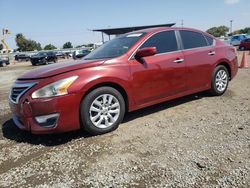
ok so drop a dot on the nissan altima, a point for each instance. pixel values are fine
(130, 72)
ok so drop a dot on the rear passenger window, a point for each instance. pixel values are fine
(164, 42)
(210, 40)
(192, 39)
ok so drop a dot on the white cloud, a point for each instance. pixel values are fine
(231, 2)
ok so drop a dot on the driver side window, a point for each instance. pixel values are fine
(163, 41)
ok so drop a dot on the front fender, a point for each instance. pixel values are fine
(105, 75)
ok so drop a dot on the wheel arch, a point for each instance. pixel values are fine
(114, 85)
(227, 65)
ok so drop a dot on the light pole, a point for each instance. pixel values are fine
(231, 26)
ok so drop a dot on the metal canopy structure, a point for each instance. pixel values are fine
(122, 30)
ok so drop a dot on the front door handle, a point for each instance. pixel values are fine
(178, 60)
(211, 53)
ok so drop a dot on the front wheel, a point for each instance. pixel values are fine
(102, 110)
(220, 80)
(45, 62)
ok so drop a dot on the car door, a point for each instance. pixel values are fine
(156, 77)
(247, 43)
(199, 54)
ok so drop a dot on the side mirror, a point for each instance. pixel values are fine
(144, 52)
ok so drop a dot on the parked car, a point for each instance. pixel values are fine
(236, 39)
(225, 39)
(43, 58)
(245, 44)
(22, 57)
(4, 61)
(60, 55)
(80, 53)
(68, 54)
(130, 72)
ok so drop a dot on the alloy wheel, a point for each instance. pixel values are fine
(221, 80)
(104, 111)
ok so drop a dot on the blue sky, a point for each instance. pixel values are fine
(59, 21)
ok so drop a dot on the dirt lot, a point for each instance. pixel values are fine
(195, 141)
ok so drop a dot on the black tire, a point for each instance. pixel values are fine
(214, 90)
(242, 48)
(45, 62)
(86, 104)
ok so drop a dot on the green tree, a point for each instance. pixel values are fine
(21, 42)
(26, 44)
(218, 31)
(235, 33)
(241, 31)
(67, 45)
(49, 47)
(1, 46)
(245, 30)
(38, 46)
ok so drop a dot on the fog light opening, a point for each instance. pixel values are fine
(47, 120)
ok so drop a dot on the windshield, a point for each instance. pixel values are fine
(115, 47)
(50, 53)
(41, 54)
(244, 37)
(84, 51)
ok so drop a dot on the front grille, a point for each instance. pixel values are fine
(36, 60)
(18, 90)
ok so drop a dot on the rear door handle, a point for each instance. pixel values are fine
(178, 60)
(211, 53)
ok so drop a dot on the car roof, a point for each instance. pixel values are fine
(238, 35)
(157, 29)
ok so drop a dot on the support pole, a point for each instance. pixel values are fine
(231, 26)
(102, 38)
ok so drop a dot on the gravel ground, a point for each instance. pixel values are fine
(194, 141)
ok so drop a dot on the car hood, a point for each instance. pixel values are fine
(37, 56)
(59, 68)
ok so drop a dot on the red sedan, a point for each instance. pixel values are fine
(130, 72)
(245, 44)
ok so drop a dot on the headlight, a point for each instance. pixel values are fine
(57, 88)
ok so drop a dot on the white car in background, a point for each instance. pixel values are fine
(225, 39)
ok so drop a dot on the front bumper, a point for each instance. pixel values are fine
(38, 60)
(27, 111)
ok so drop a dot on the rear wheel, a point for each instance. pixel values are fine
(242, 48)
(220, 80)
(102, 110)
